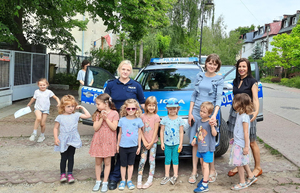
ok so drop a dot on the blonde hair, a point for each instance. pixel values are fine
(242, 103)
(207, 105)
(105, 98)
(43, 80)
(123, 111)
(151, 100)
(124, 62)
(66, 100)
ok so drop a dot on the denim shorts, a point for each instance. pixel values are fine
(208, 157)
(45, 112)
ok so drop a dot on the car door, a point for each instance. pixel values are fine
(95, 82)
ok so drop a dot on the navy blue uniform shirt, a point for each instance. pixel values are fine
(120, 92)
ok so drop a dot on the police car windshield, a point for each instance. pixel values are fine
(168, 79)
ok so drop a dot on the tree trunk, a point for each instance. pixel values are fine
(20, 36)
(123, 49)
(161, 53)
(141, 55)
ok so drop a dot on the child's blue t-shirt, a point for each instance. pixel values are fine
(239, 137)
(206, 141)
(130, 131)
(171, 134)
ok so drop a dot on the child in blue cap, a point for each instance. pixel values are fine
(171, 137)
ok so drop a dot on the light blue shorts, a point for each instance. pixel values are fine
(208, 157)
(46, 112)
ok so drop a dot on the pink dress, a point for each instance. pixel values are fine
(104, 142)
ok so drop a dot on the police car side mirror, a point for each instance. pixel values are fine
(227, 86)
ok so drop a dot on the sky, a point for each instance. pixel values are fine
(242, 13)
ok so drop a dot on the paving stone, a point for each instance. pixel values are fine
(295, 180)
(283, 180)
(287, 189)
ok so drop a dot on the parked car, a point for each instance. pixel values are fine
(176, 78)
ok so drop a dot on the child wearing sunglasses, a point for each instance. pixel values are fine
(129, 139)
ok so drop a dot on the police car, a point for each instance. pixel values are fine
(167, 78)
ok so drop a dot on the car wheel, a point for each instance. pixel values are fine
(222, 148)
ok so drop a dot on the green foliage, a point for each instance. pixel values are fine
(267, 79)
(286, 51)
(109, 59)
(257, 52)
(246, 29)
(292, 82)
(67, 79)
(41, 22)
(284, 81)
(132, 16)
(163, 43)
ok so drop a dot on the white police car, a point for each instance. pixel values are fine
(167, 78)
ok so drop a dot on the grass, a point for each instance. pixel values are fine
(271, 149)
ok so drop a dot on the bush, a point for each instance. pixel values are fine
(276, 79)
(267, 79)
(67, 79)
(284, 81)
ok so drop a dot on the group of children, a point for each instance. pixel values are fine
(138, 134)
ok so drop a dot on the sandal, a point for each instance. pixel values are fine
(239, 186)
(122, 185)
(139, 184)
(213, 177)
(147, 185)
(130, 185)
(251, 181)
(192, 179)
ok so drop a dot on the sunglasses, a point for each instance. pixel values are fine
(133, 109)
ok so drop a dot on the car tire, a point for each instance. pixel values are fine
(222, 148)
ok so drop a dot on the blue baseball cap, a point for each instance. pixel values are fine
(172, 102)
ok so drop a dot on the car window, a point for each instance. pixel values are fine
(168, 79)
(97, 77)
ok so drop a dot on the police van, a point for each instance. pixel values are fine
(167, 78)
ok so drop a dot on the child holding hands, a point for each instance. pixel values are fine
(129, 139)
(171, 136)
(205, 138)
(104, 142)
(240, 154)
(41, 108)
(149, 137)
(69, 139)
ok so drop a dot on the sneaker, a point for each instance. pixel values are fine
(199, 183)
(70, 178)
(63, 178)
(41, 139)
(97, 186)
(104, 187)
(173, 180)
(32, 137)
(122, 185)
(201, 188)
(165, 180)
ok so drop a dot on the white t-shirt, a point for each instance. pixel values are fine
(42, 102)
(239, 138)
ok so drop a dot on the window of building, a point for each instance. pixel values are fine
(261, 30)
(285, 24)
(294, 21)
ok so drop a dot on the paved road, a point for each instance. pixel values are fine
(281, 126)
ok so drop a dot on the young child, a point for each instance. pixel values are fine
(171, 137)
(69, 139)
(153, 84)
(205, 137)
(42, 106)
(104, 142)
(149, 137)
(240, 154)
(129, 139)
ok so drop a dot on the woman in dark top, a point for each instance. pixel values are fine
(120, 90)
(245, 83)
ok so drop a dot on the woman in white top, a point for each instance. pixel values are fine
(81, 77)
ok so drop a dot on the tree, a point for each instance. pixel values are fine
(286, 51)
(43, 22)
(163, 43)
(246, 29)
(257, 52)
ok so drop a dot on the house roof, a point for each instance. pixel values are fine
(290, 26)
(248, 37)
(258, 34)
(274, 28)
